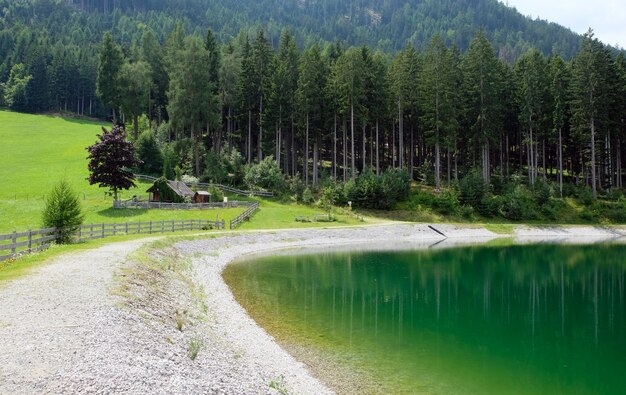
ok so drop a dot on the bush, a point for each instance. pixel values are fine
(490, 206)
(519, 204)
(266, 175)
(542, 191)
(307, 196)
(584, 195)
(446, 203)
(378, 192)
(63, 211)
(296, 187)
(472, 190)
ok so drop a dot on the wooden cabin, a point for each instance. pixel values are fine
(170, 191)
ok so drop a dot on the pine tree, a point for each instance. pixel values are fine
(63, 211)
(438, 86)
(135, 81)
(110, 61)
(532, 85)
(483, 90)
(192, 104)
(587, 91)
(559, 88)
(310, 94)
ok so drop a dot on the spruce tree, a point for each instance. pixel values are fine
(110, 61)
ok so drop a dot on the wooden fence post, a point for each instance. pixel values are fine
(13, 241)
(30, 241)
(103, 230)
(150, 231)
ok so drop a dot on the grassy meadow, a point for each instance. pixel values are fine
(39, 150)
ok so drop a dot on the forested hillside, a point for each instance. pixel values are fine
(56, 40)
(388, 25)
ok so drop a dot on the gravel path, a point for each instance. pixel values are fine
(48, 320)
(71, 328)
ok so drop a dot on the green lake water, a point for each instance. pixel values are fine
(532, 319)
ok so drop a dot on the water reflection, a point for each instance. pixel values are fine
(517, 319)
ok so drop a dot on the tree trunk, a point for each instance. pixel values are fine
(377, 152)
(196, 153)
(249, 145)
(593, 158)
(315, 159)
(260, 145)
(306, 152)
(363, 159)
(560, 154)
(136, 127)
(335, 149)
(353, 175)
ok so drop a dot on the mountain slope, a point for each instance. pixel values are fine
(389, 25)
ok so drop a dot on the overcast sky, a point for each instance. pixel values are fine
(607, 18)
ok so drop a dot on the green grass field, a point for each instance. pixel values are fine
(39, 150)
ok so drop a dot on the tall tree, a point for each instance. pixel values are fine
(135, 82)
(110, 61)
(587, 91)
(349, 88)
(262, 61)
(483, 88)
(152, 53)
(559, 88)
(192, 104)
(310, 94)
(284, 83)
(438, 86)
(532, 84)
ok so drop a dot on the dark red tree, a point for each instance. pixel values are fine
(110, 160)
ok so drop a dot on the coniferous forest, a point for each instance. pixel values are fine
(501, 115)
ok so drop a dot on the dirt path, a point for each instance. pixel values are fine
(54, 317)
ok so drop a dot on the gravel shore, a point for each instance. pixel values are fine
(99, 322)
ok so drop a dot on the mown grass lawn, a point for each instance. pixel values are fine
(38, 150)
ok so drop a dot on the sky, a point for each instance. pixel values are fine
(607, 18)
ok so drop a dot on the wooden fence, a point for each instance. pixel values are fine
(25, 242)
(37, 240)
(226, 188)
(245, 216)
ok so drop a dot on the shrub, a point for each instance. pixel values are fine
(307, 196)
(519, 204)
(266, 175)
(472, 190)
(542, 191)
(490, 206)
(296, 187)
(446, 202)
(63, 211)
(378, 192)
(584, 195)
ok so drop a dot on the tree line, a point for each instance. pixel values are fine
(331, 112)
